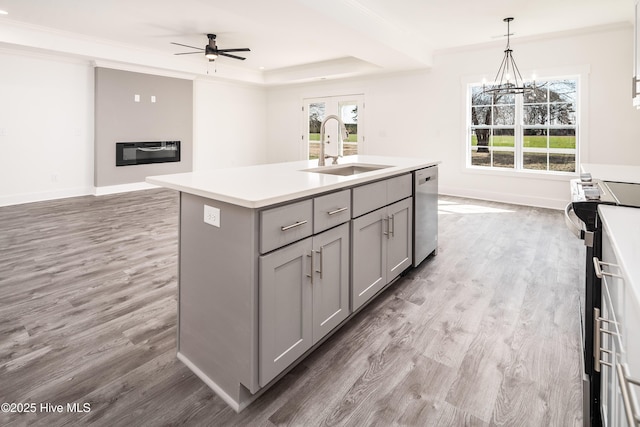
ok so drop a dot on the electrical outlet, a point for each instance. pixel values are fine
(212, 215)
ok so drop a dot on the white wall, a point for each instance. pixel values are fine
(46, 128)
(422, 114)
(229, 124)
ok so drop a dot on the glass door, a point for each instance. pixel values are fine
(349, 108)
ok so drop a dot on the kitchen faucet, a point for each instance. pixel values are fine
(343, 133)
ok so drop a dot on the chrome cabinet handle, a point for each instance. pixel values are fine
(311, 269)
(338, 211)
(392, 224)
(630, 408)
(320, 252)
(597, 349)
(386, 221)
(597, 265)
(297, 224)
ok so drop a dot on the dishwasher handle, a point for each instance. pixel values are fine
(423, 177)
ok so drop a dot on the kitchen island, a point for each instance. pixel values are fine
(274, 258)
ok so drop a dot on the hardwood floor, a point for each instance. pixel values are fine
(485, 333)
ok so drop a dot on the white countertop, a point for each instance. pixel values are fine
(622, 224)
(619, 173)
(263, 185)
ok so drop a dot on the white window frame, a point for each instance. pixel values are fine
(581, 74)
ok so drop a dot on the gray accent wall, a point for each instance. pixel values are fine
(119, 118)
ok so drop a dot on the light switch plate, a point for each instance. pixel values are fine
(212, 215)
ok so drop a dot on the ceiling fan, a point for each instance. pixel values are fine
(211, 51)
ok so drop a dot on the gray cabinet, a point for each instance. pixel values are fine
(369, 197)
(304, 294)
(381, 249)
(616, 339)
(285, 224)
(330, 280)
(285, 309)
(399, 238)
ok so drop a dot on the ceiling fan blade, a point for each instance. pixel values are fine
(188, 53)
(231, 56)
(244, 49)
(186, 45)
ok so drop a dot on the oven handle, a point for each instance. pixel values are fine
(576, 229)
(151, 149)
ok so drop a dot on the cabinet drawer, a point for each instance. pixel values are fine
(369, 197)
(285, 224)
(331, 210)
(398, 188)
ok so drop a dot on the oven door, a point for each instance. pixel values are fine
(578, 228)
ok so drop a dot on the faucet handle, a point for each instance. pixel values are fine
(335, 158)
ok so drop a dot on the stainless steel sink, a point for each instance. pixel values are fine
(347, 170)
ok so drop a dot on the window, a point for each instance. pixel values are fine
(536, 131)
(350, 110)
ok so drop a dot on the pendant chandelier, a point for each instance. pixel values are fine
(508, 79)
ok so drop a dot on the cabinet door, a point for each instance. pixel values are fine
(400, 244)
(285, 308)
(369, 256)
(330, 280)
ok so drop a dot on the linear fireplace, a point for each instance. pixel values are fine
(138, 153)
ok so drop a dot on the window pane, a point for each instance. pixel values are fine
(562, 162)
(537, 92)
(314, 150)
(504, 115)
(481, 115)
(535, 114)
(536, 161)
(478, 97)
(349, 116)
(316, 116)
(480, 158)
(563, 90)
(534, 138)
(563, 114)
(503, 159)
(503, 138)
(562, 138)
(480, 138)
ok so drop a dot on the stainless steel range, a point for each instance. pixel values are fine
(586, 195)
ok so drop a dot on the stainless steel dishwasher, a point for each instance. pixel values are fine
(425, 213)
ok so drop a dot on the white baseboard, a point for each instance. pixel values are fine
(18, 199)
(123, 188)
(516, 199)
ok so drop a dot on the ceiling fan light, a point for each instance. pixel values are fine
(209, 53)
